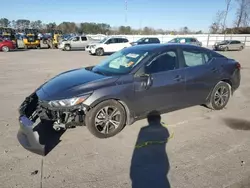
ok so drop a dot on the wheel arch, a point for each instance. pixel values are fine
(228, 81)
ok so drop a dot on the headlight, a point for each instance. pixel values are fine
(68, 102)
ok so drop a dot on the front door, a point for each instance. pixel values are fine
(110, 45)
(160, 85)
(75, 43)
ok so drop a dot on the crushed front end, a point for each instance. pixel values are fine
(42, 124)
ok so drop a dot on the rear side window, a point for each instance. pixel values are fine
(195, 57)
(122, 40)
(84, 38)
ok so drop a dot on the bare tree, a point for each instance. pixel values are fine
(217, 25)
(242, 14)
(228, 6)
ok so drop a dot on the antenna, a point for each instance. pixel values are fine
(126, 8)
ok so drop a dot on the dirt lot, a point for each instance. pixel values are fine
(208, 149)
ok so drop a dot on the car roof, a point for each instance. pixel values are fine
(156, 47)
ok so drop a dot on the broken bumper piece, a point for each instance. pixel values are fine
(29, 138)
(37, 137)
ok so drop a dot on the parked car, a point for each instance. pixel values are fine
(186, 40)
(146, 40)
(126, 87)
(6, 45)
(77, 43)
(108, 45)
(229, 45)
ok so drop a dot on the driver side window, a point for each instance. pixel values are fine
(164, 62)
(76, 39)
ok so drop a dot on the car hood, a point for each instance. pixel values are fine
(95, 43)
(72, 83)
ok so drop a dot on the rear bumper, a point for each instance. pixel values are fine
(236, 79)
(29, 138)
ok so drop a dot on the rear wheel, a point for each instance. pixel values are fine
(106, 119)
(99, 52)
(220, 96)
(241, 48)
(5, 49)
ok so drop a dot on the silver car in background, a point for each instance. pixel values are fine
(186, 40)
(76, 43)
(229, 45)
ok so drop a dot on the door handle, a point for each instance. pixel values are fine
(178, 78)
(214, 69)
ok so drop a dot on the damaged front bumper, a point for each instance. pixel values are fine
(29, 138)
(36, 135)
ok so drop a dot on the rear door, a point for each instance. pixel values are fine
(84, 41)
(166, 90)
(201, 74)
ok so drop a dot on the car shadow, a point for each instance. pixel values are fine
(237, 124)
(19, 50)
(48, 136)
(150, 164)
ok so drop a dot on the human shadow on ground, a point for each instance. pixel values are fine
(150, 164)
(237, 124)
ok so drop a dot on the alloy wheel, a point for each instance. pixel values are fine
(221, 96)
(5, 49)
(107, 119)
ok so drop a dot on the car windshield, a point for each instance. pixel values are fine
(103, 40)
(174, 40)
(140, 40)
(224, 42)
(121, 62)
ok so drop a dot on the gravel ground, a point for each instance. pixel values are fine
(208, 149)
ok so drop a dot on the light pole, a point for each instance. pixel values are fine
(126, 7)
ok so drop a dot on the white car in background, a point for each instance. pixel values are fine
(108, 45)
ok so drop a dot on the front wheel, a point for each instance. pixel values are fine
(219, 96)
(106, 119)
(67, 48)
(5, 49)
(99, 52)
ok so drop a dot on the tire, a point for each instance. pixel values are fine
(95, 115)
(5, 49)
(67, 47)
(99, 52)
(219, 96)
(241, 48)
(226, 49)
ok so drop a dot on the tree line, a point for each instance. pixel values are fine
(241, 18)
(88, 28)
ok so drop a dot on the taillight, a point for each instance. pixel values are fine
(238, 65)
